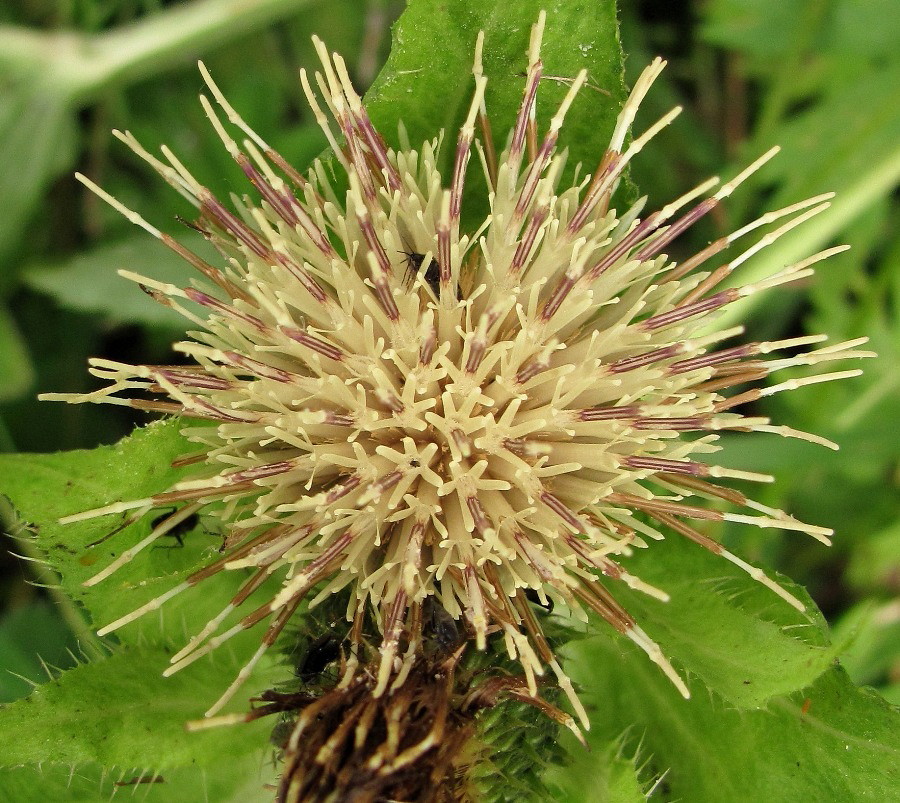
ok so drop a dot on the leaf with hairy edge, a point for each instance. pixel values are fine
(605, 774)
(33, 637)
(120, 712)
(735, 635)
(427, 81)
(44, 488)
(239, 780)
(830, 741)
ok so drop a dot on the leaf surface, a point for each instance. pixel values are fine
(120, 712)
(16, 370)
(89, 282)
(830, 741)
(741, 640)
(44, 488)
(427, 82)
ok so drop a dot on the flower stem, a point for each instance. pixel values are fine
(81, 66)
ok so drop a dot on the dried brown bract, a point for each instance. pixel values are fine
(416, 742)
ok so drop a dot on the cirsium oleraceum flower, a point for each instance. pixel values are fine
(409, 409)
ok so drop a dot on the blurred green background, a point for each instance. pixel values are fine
(820, 77)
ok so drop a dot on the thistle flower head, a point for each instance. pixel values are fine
(413, 410)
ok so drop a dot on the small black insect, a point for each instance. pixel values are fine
(432, 275)
(413, 261)
(533, 597)
(193, 225)
(441, 626)
(179, 531)
(281, 733)
(321, 652)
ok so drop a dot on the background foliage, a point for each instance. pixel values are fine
(770, 710)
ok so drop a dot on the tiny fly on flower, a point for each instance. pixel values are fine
(431, 275)
(321, 653)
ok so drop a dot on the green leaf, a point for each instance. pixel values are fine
(602, 775)
(766, 30)
(520, 741)
(89, 282)
(875, 562)
(741, 640)
(44, 488)
(870, 29)
(763, 29)
(37, 143)
(846, 144)
(16, 371)
(872, 634)
(120, 712)
(32, 637)
(842, 150)
(427, 81)
(238, 780)
(830, 741)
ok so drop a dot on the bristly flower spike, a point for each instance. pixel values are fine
(409, 409)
